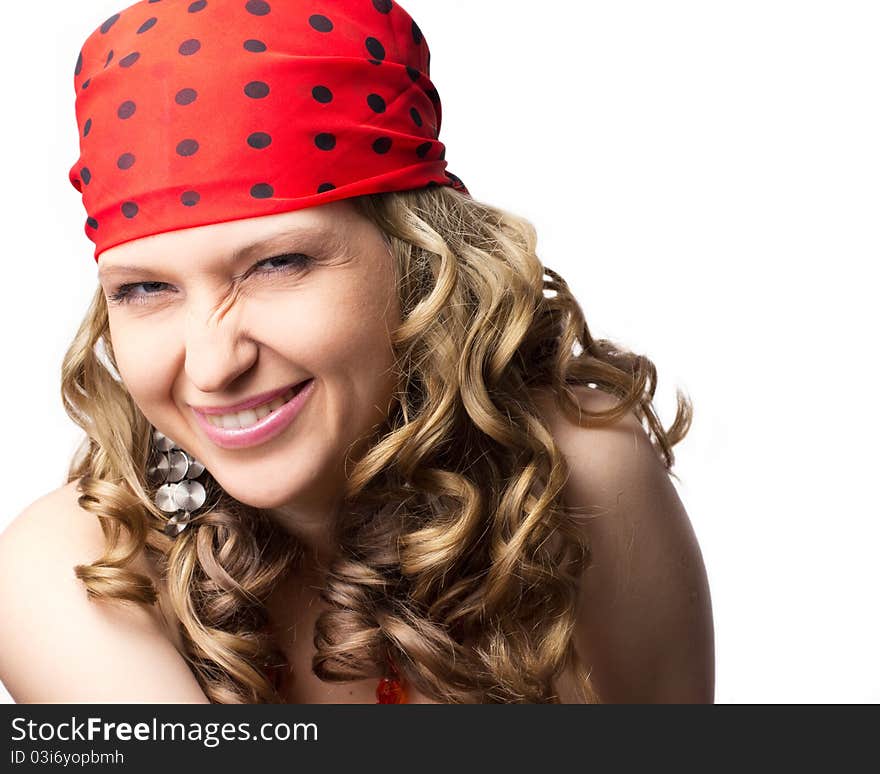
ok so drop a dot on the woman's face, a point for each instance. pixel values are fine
(203, 317)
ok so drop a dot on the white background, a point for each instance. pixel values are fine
(704, 174)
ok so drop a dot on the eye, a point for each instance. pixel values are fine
(142, 292)
(125, 294)
(284, 262)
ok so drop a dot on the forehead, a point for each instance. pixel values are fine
(339, 221)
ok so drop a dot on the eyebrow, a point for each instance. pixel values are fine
(240, 255)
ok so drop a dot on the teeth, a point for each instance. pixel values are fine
(249, 416)
(277, 403)
(230, 421)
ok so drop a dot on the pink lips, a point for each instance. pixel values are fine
(268, 427)
(256, 400)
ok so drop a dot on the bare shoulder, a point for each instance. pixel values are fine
(645, 622)
(57, 644)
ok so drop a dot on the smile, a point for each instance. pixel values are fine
(256, 424)
(251, 416)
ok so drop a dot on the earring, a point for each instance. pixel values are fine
(174, 472)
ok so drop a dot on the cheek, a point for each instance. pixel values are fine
(145, 364)
(341, 334)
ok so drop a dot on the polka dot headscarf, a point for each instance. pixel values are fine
(200, 112)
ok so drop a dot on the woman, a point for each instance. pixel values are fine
(345, 441)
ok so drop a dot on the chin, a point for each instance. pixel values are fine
(265, 496)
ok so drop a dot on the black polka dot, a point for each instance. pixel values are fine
(92, 223)
(256, 89)
(126, 109)
(375, 61)
(325, 141)
(382, 145)
(320, 23)
(147, 25)
(376, 103)
(442, 155)
(413, 73)
(86, 83)
(432, 94)
(187, 147)
(109, 58)
(197, 6)
(423, 149)
(125, 161)
(322, 94)
(105, 27)
(129, 209)
(186, 96)
(154, 1)
(325, 187)
(428, 63)
(190, 198)
(128, 61)
(189, 47)
(79, 64)
(256, 46)
(382, 6)
(376, 49)
(416, 116)
(262, 191)
(257, 7)
(87, 127)
(259, 140)
(416, 33)
(86, 174)
(77, 183)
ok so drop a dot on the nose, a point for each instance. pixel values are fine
(218, 349)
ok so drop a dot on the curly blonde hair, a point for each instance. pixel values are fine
(458, 558)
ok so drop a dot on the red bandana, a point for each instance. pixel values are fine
(201, 112)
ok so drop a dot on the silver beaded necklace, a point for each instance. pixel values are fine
(175, 472)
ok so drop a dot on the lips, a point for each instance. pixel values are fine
(260, 428)
(256, 400)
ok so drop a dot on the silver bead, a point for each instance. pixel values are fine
(177, 523)
(162, 442)
(195, 468)
(189, 495)
(165, 498)
(157, 467)
(178, 465)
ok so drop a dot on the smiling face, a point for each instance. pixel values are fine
(201, 318)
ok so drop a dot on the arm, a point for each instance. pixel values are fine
(57, 645)
(645, 616)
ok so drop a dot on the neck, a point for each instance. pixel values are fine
(314, 529)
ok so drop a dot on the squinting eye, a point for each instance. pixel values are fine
(125, 293)
(277, 263)
(291, 260)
